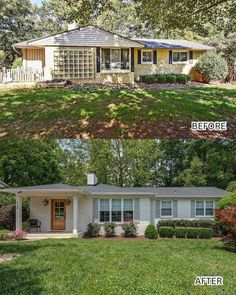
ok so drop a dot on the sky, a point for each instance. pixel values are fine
(36, 1)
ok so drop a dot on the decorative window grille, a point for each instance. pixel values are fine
(73, 64)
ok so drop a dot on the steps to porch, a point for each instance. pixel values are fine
(51, 235)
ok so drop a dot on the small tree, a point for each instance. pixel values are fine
(212, 67)
(17, 63)
(231, 186)
(226, 201)
(227, 218)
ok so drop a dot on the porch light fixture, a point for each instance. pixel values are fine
(68, 202)
(45, 202)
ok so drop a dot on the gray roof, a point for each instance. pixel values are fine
(87, 36)
(111, 189)
(173, 44)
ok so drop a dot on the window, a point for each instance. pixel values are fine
(204, 208)
(104, 210)
(209, 208)
(180, 56)
(116, 210)
(128, 210)
(146, 57)
(73, 63)
(115, 59)
(166, 208)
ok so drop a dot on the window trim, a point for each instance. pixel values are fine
(120, 71)
(204, 208)
(180, 62)
(143, 62)
(166, 216)
(110, 210)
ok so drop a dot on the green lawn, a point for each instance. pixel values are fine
(109, 267)
(35, 113)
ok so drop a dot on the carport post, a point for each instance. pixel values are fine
(75, 214)
(18, 211)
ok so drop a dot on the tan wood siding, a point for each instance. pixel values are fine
(34, 58)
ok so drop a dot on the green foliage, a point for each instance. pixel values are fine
(193, 232)
(130, 230)
(166, 231)
(181, 79)
(160, 78)
(226, 201)
(151, 232)
(186, 223)
(231, 186)
(205, 233)
(4, 236)
(8, 216)
(170, 78)
(212, 67)
(93, 230)
(17, 63)
(149, 79)
(180, 232)
(110, 229)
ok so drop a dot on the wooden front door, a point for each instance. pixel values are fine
(58, 214)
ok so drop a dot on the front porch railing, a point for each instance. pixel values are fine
(21, 75)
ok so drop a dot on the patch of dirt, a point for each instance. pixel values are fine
(8, 257)
(78, 129)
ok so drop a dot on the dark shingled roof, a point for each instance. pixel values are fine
(110, 189)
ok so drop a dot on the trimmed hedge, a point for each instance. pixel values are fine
(193, 232)
(187, 223)
(206, 233)
(165, 78)
(151, 232)
(180, 232)
(166, 231)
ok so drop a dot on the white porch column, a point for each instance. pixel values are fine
(75, 214)
(18, 212)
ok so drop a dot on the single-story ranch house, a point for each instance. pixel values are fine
(93, 55)
(70, 209)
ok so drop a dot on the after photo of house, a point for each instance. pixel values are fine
(117, 147)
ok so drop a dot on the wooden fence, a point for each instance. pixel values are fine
(21, 75)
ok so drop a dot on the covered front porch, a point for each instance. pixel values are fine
(55, 207)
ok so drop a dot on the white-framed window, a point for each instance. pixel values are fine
(147, 57)
(70, 63)
(115, 59)
(116, 210)
(180, 56)
(166, 208)
(204, 208)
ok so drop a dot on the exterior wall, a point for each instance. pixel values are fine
(34, 58)
(163, 65)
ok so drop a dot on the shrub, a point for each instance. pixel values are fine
(212, 67)
(180, 232)
(231, 186)
(193, 232)
(151, 232)
(171, 78)
(166, 231)
(130, 229)
(205, 233)
(148, 79)
(93, 230)
(226, 201)
(160, 78)
(181, 79)
(18, 235)
(227, 218)
(110, 229)
(4, 236)
(17, 63)
(8, 216)
(186, 223)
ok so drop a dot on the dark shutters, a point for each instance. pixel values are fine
(170, 56)
(132, 59)
(139, 57)
(190, 57)
(98, 59)
(155, 57)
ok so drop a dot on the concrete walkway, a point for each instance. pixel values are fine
(51, 235)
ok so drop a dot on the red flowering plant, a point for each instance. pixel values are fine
(18, 235)
(227, 219)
